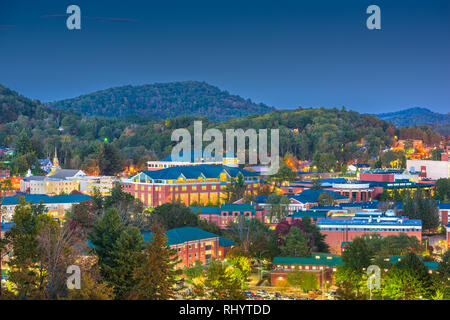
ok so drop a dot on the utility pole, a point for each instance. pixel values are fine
(260, 264)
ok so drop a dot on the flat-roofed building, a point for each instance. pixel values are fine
(338, 231)
(56, 206)
(194, 244)
(429, 168)
(225, 214)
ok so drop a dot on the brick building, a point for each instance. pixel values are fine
(444, 208)
(225, 214)
(342, 230)
(188, 184)
(194, 244)
(56, 206)
(324, 265)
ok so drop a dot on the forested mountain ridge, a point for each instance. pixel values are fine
(164, 100)
(417, 117)
(106, 145)
(13, 105)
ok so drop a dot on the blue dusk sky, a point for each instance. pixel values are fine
(283, 53)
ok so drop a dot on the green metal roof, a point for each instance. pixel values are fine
(185, 234)
(316, 259)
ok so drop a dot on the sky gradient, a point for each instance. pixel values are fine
(282, 53)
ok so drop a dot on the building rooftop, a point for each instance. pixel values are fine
(316, 259)
(330, 260)
(65, 173)
(194, 172)
(312, 196)
(444, 206)
(37, 198)
(185, 234)
(384, 221)
(314, 215)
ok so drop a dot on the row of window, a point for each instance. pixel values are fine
(370, 229)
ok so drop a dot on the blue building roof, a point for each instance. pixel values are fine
(193, 172)
(444, 206)
(237, 207)
(362, 205)
(6, 226)
(37, 198)
(184, 234)
(314, 215)
(312, 195)
(332, 180)
(382, 222)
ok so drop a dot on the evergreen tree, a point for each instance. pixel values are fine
(408, 280)
(156, 277)
(117, 247)
(127, 259)
(21, 241)
(296, 244)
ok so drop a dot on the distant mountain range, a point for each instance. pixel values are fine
(417, 117)
(164, 100)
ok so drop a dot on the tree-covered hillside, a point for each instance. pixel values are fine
(13, 105)
(418, 117)
(330, 137)
(164, 100)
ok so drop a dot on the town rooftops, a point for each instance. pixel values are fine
(66, 173)
(37, 198)
(330, 260)
(312, 195)
(186, 234)
(231, 207)
(45, 162)
(384, 221)
(444, 206)
(385, 171)
(314, 215)
(399, 184)
(237, 207)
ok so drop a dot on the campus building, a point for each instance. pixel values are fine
(342, 230)
(447, 228)
(323, 265)
(102, 184)
(187, 184)
(225, 214)
(56, 206)
(429, 169)
(388, 175)
(194, 244)
(444, 208)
